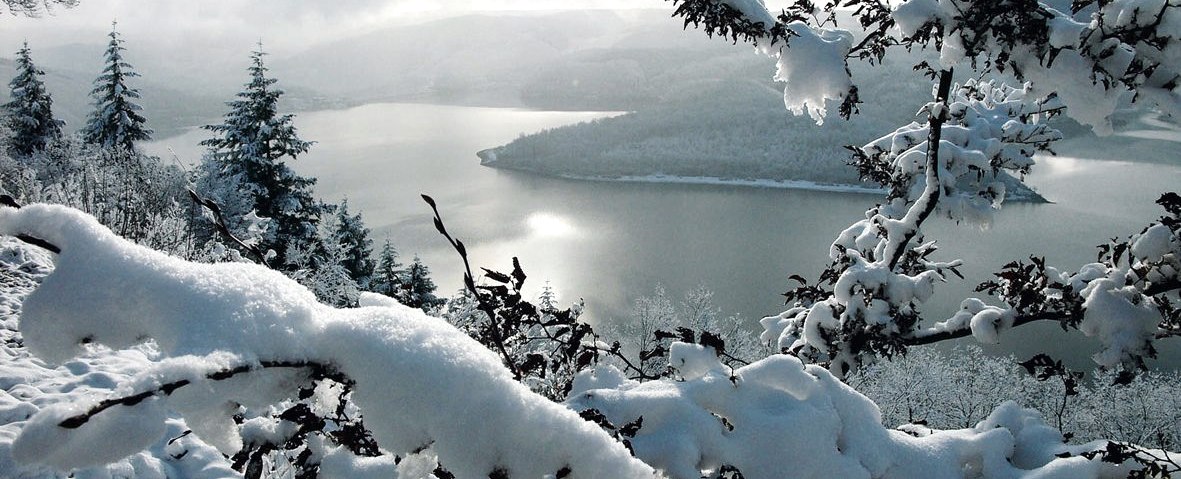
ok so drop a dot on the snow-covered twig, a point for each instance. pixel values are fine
(76, 421)
(219, 222)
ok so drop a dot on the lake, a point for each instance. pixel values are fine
(612, 242)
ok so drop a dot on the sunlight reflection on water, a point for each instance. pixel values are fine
(550, 225)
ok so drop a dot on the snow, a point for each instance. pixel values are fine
(988, 323)
(911, 15)
(1122, 320)
(1154, 243)
(408, 367)
(42, 441)
(432, 395)
(812, 66)
(750, 419)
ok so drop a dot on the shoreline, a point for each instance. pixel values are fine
(488, 159)
(715, 181)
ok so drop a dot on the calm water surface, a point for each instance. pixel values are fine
(611, 242)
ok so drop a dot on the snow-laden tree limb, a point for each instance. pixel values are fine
(418, 380)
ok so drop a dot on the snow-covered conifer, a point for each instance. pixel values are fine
(387, 274)
(116, 120)
(30, 113)
(353, 236)
(250, 147)
(418, 289)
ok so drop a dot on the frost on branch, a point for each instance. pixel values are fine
(421, 384)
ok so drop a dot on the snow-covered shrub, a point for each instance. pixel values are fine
(655, 321)
(136, 195)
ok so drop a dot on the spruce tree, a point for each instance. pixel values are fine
(353, 236)
(115, 121)
(250, 147)
(387, 276)
(418, 290)
(30, 113)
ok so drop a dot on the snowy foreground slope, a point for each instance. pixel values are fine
(427, 391)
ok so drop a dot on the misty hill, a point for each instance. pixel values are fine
(593, 59)
(182, 85)
(168, 110)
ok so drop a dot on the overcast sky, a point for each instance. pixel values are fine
(280, 23)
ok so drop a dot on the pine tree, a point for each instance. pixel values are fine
(387, 276)
(418, 290)
(115, 121)
(250, 147)
(353, 236)
(30, 113)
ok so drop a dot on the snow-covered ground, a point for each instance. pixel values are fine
(29, 385)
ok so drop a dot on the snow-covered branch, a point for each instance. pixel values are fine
(417, 378)
(76, 421)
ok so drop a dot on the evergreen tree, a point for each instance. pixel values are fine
(30, 113)
(250, 147)
(548, 300)
(387, 276)
(115, 121)
(353, 236)
(418, 290)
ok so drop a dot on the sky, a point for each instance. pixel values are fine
(279, 23)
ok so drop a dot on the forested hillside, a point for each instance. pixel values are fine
(724, 124)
